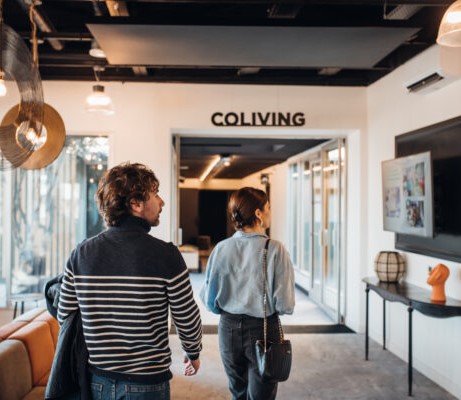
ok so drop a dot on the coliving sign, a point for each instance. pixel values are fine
(258, 119)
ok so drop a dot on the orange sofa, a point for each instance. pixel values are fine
(27, 346)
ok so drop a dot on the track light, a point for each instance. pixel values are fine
(215, 166)
(96, 51)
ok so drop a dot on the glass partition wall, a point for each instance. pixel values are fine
(317, 224)
(46, 212)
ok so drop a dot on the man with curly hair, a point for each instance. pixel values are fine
(124, 282)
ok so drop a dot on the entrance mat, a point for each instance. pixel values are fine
(317, 329)
(213, 329)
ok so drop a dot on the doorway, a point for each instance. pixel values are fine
(316, 163)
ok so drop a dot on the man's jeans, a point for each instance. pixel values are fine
(111, 389)
(237, 338)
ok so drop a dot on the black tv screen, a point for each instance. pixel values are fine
(443, 140)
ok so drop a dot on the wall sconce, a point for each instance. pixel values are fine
(450, 27)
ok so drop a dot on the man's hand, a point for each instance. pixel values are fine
(191, 366)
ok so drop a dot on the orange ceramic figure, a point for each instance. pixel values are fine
(436, 279)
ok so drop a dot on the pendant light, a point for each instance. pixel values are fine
(98, 100)
(450, 27)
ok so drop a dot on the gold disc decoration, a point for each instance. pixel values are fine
(17, 64)
(53, 130)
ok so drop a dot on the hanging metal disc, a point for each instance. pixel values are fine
(53, 132)
(17, 64)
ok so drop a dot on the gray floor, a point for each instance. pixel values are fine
(325, 367)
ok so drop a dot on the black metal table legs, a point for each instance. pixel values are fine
(410, 350)
(367, 291)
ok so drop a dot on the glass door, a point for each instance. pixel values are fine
(304, 276)
(332, 227)
(317, 230)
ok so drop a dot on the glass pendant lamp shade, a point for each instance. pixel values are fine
(450, 27)
(98, 101)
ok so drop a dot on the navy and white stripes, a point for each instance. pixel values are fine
(125, 317)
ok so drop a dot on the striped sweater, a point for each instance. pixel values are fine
(125, 282)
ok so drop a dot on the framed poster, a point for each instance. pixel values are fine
(407, 195)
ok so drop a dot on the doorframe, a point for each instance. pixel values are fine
(353, 305)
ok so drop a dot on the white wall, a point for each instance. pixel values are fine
(392, 111)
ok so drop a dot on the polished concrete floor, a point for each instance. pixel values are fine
(325, 367)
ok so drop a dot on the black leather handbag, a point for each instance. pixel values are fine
(273, 358)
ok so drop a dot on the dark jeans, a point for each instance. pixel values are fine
(103, 388)
(237, 337)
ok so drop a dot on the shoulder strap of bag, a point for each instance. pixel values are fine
(265, 299)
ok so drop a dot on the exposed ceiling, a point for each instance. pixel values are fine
(310, 42)
(246, 156)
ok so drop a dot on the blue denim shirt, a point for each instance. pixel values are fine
(235, 276)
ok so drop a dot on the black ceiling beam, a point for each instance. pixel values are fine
(360, 80)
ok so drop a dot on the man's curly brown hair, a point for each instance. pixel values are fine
(119, 186)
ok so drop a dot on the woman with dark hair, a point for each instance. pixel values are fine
(233, 288)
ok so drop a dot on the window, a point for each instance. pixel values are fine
(52, 209)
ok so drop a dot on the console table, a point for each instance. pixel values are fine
(415, 298)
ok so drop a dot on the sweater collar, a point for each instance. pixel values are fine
(239, 234)
(130, 222)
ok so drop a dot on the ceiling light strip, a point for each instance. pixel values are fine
(213, 164)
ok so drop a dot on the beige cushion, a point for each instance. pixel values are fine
(15, 370)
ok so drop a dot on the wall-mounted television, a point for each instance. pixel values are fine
(443, 141)
(407, 195)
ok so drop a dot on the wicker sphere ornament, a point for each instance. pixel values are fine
(389, 266)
